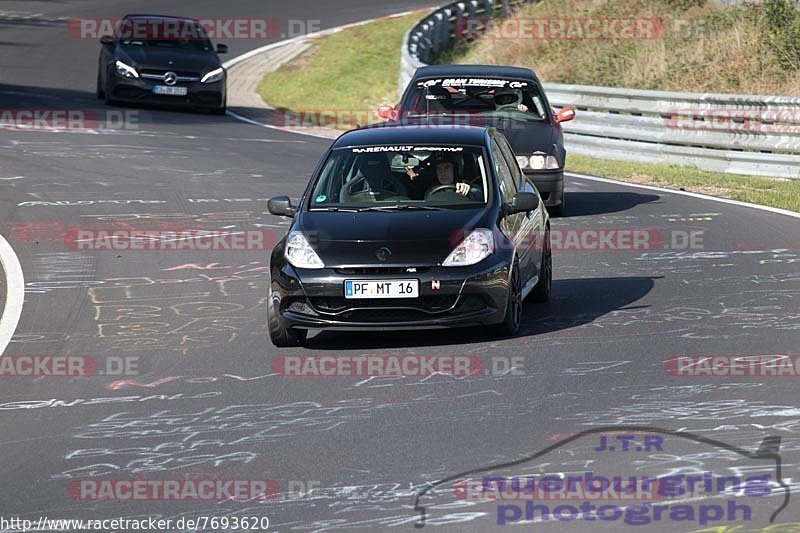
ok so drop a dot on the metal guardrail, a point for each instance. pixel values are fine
(738, 134)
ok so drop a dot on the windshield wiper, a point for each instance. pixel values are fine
(402, 207)
(345, 209)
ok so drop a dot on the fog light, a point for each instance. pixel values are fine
(299, 306)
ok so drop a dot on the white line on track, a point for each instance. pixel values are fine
(270, 126)
(15, 293)
(686, 193)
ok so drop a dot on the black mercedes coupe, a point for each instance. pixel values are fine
(163, 60)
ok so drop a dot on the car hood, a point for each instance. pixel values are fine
(528, 137)
(160, 58)
(413, 238)
(525, 136)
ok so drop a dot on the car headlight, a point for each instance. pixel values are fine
(476, 246)
(538, 162)
(126, 71)
(299, 253)
(214, 75)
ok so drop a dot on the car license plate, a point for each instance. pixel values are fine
(172, 91)
(395, 288)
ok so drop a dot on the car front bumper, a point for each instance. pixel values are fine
(140, 90)
(549, 183)
(467, 296)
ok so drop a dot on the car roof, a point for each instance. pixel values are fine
(382, 135)
(488, 71)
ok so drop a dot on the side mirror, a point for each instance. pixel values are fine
(564, 115)
(386, 111)
(523, 202)
(282, 206)
(222, 48)
(107, 40)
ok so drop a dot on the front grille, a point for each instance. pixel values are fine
(378, 270)
(159, 74)
(384, 315)
(423, 304)
(127, 91)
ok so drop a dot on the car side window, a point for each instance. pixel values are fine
(508, 187)
(508, 153)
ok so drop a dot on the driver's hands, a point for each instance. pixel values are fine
(462, 188)
(411, 173)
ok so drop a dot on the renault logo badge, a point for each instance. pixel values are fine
(383, 254)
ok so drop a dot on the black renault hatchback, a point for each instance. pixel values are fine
(410, 228)
(161, 60)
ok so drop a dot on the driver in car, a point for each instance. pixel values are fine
(509, 99)
(445, 169)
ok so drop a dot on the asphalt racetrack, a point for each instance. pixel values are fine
(206, 401)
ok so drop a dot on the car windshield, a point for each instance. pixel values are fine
(517, 99)
(378, 178)
(163, 33)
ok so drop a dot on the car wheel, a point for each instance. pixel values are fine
(280, 336)
(107, 96)
(101, 94)
(513, 316)
(558, 210)
(541, 292)
(218, 110)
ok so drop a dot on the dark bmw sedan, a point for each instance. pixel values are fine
(410, 228)
(509, 98)
(161, 60)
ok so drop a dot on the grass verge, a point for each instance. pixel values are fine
(700, 46)
(344, 76)
(775, 192)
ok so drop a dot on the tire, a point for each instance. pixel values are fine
(218, 110)
(280, 336)
(99, 92)
(107, 97)
(541, 292)
(513, 315)
(560, 209)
